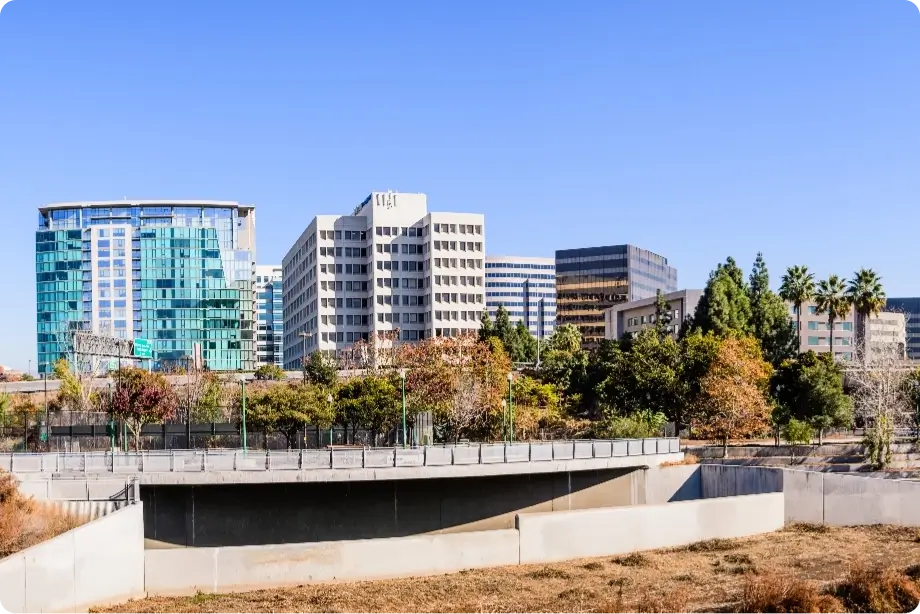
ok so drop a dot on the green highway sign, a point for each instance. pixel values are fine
(142, 348)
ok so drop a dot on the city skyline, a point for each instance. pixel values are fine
(693, 131)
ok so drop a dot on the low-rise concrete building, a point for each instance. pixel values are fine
(885, 332)
(633, 316)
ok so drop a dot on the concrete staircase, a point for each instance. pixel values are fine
(827, 458)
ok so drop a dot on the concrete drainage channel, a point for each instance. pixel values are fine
(105, 560)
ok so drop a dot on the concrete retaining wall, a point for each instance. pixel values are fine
(588, 533)
(96, 564)
(672, 484)
(183, 571)
(829, 498)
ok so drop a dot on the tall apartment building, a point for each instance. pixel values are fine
(178, 273)
(633, 316)
(526, 287)
(885, 331)
(389, 266)
(910, 308)
(269, 315)
(590, 280)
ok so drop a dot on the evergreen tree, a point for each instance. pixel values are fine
(525, 344)
(485, 326)
(504, 330)
(770, 322)
(725, 305)
(663, 315)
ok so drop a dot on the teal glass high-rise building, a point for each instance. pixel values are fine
(179, 273)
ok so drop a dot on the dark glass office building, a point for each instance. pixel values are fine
(910, 307)
(592, 279)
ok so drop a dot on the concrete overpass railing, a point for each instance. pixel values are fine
(185, 461)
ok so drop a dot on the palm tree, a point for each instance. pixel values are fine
(831, 298)
(866, 294)
(797, 287)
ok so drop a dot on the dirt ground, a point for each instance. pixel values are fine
(708, 576)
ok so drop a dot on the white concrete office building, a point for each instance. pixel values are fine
(526, 287)
(633, 316)
(389, 266)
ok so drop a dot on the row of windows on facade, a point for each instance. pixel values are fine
(410, 300)
(511, 284)
(519, 275)
(548, 317)
(393, 265)
(344, 269)
(825, 340)
(353, 337)
(465, 316)
(535, 305)
(516, 265)
(452, 263)
(650, 319)
(338, 235)
(533, 295)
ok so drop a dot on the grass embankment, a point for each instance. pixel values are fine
(25, 522)
(800, 569)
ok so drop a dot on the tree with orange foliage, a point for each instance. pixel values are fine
(733, 403)
(461, 380)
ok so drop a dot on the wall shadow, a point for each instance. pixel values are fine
(259, 514)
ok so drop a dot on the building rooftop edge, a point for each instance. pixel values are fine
(134, 203)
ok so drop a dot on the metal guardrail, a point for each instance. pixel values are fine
(352, 458)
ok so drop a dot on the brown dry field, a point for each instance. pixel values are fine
(709, 576)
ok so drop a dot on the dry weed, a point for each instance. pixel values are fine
(636, 559)
(806, 527)
(689, 459)
(783, 594)
(712, 545)
(548, 573)
(877, 590)
(25, 523)
(593, 566)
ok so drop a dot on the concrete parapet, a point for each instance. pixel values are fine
(561, 536)
(186, 570)
(673, 484)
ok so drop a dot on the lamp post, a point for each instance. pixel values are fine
(243, 403)
(331, 424)
(511, 405)
(504, 421)
(402, 375)
(111, 420)
(47, 421)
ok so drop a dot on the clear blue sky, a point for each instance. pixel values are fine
(697, 130)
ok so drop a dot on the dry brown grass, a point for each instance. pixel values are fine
(674, 580)
(689, 459)
(877, 589)
(25, 523)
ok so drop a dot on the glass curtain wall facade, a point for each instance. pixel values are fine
(910, 307)
(269, 316)
(592, 279)
(526, 287)
(177, 273)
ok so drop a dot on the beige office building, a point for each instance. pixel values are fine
(885, 331)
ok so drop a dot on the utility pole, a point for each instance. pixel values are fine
(243, 400)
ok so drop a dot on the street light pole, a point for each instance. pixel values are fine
(243, 402)
(402, 374)
(303, 360)
(504, 421)
(332, 424)
(111, 421)
(511, 405)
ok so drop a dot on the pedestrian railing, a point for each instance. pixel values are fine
(175, 461)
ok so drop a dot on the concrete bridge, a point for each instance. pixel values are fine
(197, 498)
(346, 465)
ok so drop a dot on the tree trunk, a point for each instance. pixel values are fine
(820, 436)
(831, 321)
(798, 326)
(725, 447)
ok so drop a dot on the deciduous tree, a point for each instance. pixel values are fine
(320, 370)
(141, 398)
(734, 402)
(810, 389)
(269, 373)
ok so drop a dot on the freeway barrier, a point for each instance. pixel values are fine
(173, 461)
